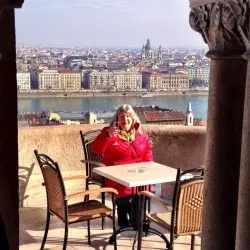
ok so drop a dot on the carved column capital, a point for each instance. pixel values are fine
(223, 24)
(11, 3)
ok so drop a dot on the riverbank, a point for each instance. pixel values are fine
(111, 102)
(65, 94)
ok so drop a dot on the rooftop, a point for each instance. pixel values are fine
(164, 116)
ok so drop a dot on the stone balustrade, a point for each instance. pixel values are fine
(176, 146)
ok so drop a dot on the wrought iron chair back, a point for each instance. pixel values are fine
(93, 179)
(87, 138)
(187, 203)
(54, 185)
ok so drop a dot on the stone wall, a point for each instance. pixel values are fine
(176, 146)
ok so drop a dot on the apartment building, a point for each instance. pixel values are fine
(127, 80)
(70, 81)
(165, 81)
(199, 74)
(48, 79)
(23, 80)
(85, 76)
(100, 80)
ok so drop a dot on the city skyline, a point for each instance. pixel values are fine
(106, 23)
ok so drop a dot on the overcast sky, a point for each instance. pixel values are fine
(109, 23)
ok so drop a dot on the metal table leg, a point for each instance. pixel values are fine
(140, 229)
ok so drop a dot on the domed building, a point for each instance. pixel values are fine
(148, 56)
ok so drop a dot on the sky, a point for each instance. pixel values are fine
(106, 23)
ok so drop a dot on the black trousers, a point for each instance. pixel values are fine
(127, 211)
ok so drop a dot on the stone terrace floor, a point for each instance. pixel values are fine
(32, 224)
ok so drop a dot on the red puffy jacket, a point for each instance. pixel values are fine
(116, 151)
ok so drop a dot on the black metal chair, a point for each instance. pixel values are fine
(57, 200)
(183, 217)
(91, 161)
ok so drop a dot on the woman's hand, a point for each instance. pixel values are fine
(112, 131)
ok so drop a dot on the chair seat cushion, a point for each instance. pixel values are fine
(87, 210)
(164, 219)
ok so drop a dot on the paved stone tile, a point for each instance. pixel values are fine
(32, 224)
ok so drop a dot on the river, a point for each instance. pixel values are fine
(80, 104)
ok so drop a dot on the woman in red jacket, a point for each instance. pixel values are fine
(123, 142)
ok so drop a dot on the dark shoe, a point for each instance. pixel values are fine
(123, 223)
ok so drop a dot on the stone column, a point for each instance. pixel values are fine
(243, 219)
(8, 127)
(218, 23)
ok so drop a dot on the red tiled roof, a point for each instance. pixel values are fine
(164, 116)
(203, 123)
(63, 70)
(142, 109)
(162, 70)
(143, 70)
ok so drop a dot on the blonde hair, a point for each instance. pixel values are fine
(125, 108)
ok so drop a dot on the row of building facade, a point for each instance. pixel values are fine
(111, 80)
(50, 79)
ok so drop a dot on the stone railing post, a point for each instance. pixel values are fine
(223, 25)
(8, 128)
